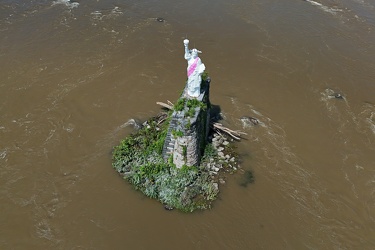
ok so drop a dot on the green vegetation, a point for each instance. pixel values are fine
(193, 103)
(209, 152)
(190, 104)
(184, 152)
(139, 160)
(188, 124)
(180, 105)
(177, 133)
(205, 76)
(204, 80)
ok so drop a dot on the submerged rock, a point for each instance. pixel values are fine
(166, 207)
(136, 124)
(337, 96)
(248, 120)
(247, 178)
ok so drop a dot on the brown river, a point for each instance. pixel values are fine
(73, 73)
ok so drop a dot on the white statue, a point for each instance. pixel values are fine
(195, 70)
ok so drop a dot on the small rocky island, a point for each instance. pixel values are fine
(178, 157)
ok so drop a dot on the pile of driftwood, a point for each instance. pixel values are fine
(218, 127)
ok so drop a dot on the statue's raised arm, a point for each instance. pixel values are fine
(187, 52)
(195, 70)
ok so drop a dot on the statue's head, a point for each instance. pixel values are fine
(194, 52)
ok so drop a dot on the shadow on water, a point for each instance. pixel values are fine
(247, 178)
(215, 113)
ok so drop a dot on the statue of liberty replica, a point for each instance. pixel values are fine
(170, 157)
(190, 119)
(195, 70)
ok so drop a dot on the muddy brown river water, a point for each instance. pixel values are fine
(72, 75)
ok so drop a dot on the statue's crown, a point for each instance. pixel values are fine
(196, 51)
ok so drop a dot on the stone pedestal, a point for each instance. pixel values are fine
(187, 132)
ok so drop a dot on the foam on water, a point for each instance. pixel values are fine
(368, 116)
(332, 104)
(130, 122)
(67, 3)
(3, 154)
(282, 165)
(362, 122)
(324, 8)
(100, 15)
(355, 126)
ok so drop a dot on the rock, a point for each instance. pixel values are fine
(136, 124)
(337, 96)
(227, 157)
(220, 149)
(216, 169)
(220, 154)
(215, 186)
(232, 159)
(225, 143)
(166, 207)
(221, 181)
(249, 120)
(160, 19)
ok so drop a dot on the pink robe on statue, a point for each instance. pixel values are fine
(194, 71)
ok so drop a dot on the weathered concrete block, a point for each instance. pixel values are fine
(190, 129)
